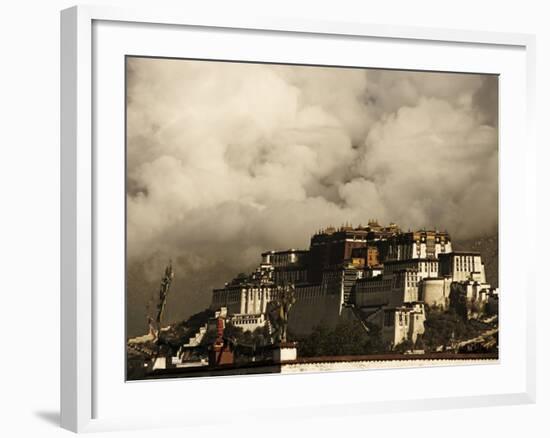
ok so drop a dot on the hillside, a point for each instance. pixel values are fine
(488, 247)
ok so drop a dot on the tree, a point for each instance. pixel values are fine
(404, 346)
(491, 308)
(233, 332)
(260, 337)
(420, 344)
(376, 343)
(443, 328)
(346, 339)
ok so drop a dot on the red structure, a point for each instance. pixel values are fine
(331, 247)
(220, 353)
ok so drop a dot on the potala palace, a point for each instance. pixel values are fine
(376, 274)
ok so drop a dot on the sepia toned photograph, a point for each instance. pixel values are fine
(299, 218)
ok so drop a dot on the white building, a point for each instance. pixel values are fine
(246, 294)
(400, 323)
(425, 268)
(248, 322)
(420, 244)
(389, 289)
(462, 266)
(420, 269)
(435, 292)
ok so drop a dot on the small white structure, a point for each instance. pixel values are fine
(161, 363)
(473, 290)
(248, 322)
(286, 352)
(462, 266)
(400, 323)
(471, 296)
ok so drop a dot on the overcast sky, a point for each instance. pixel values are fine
(226, 160)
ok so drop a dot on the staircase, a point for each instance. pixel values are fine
(360, 316)
(269, 326)
(195, 340)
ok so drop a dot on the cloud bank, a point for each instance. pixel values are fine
(226, 160)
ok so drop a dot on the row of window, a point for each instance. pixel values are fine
(464, 264)
(374, 287)
(246, 321)
(403, 318)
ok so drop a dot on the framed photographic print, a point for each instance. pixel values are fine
(288, 208)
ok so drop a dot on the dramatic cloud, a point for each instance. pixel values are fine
(226, 160)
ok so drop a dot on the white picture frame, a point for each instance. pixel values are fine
(79, 199)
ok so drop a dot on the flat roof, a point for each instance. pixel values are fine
(423, 259)
(285, 251)
(474, 253)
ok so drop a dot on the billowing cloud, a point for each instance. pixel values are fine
(226, 160)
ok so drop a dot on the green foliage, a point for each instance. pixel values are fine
(491, 308)
(253, 339)
(261, 336)
(375, 343)
(444, 328)
(233, 332)
(404, 346)
(347, 338)
(420, 344)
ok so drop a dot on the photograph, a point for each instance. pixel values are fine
(299, 218)
(288, 218)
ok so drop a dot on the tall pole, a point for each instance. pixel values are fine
(163, 294)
